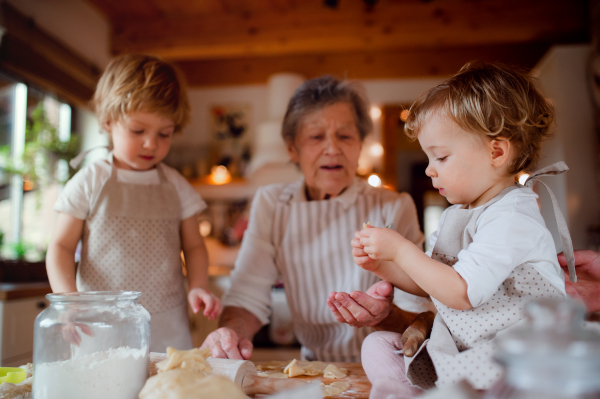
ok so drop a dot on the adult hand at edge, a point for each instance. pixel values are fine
(360, 309)
(224, 343)
(587, 287)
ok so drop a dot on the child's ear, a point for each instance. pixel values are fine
(108, 126)
(500, 148)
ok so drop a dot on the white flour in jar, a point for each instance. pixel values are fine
(116, 374)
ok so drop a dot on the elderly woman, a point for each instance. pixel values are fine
(302, 232)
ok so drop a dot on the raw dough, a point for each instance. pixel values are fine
(193, 360)
(272, 375)
(293, 370)
(297, 368)
(332, 371)
(186, 375)
(187, 384)
(335, 388)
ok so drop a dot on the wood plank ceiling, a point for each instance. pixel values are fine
(218, 42)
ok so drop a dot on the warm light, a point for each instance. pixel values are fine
(376, 150)
(219, 175)
(404, 115)
(27, 185)
(523, 178)
(205, 228)
(374, 180)
(375, 113)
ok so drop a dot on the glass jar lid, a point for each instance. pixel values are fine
(93, 296)
(554, 328)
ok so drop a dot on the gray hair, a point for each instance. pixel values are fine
(317, 93)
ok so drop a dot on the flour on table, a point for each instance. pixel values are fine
(335, 388)
(117, 374)
(333, 371)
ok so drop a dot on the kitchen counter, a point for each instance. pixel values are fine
(10, 291)
(359, 383)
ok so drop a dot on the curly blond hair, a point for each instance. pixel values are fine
(493, 100)
(134, 82)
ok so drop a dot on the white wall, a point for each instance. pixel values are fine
(74, 22)
(380, 92)
(563, 75)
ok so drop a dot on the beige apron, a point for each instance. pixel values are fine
(462, 342)
(313, 256)
(131, 241)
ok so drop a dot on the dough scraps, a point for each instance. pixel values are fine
(296, 368)
(193, 360)
(335, 388)
(272, 375)
(332, 371)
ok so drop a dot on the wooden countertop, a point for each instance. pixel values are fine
(359, 383)
(10, 291)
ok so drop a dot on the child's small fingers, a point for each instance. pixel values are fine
(209, 303)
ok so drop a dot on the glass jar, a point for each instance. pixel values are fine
(553, 356)
(91, 345)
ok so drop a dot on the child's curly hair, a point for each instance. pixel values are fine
(134, 82)
(493, 100)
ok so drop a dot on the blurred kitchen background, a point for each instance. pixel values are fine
(242, 60)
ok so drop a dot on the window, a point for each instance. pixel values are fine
(26, 215)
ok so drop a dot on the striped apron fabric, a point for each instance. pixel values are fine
(313, 254)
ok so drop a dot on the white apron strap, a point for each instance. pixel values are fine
(553, 170)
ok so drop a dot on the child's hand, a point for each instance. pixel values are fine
(199, 298)
(70, 333)
(380, 244)
(361, 258)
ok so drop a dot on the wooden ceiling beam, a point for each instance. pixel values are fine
(359, 65)
(350, 28)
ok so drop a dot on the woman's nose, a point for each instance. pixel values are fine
(332, 145)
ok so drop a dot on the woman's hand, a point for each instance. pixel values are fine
(224, 343)
(360, 309)
(199, 298)
(587, 287)
(380, 243)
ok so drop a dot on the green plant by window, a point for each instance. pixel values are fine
(43, 150)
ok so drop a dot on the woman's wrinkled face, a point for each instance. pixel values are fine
(326, 147)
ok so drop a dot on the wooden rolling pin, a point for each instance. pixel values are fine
(243, 373)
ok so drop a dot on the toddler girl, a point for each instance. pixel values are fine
(492, 252)
(134, 214)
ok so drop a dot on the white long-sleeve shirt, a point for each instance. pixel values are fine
(510, 233)
(308, 243)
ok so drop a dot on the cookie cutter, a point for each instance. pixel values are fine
(13, 375)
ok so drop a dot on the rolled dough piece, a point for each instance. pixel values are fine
(273, 375)
(293, 370)
(335, 388)
(333, 371)
(187, 384)
(272, 365)
(193, 360)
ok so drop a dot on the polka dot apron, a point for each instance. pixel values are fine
(131, 241)
(462, 342)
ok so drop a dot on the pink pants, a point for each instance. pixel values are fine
(383, 362)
